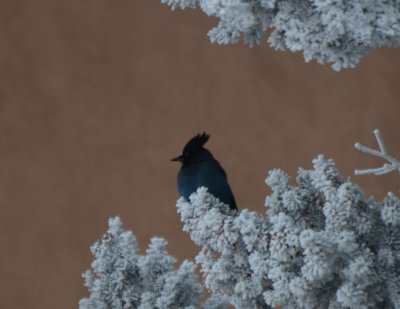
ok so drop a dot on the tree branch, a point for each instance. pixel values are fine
(382, 153)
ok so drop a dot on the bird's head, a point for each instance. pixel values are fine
(194, 151)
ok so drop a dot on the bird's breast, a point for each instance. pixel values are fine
(205, 174)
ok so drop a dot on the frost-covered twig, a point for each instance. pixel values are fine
(382, 153)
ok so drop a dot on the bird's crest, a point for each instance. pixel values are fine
(196, 143)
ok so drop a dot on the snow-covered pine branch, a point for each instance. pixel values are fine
(329, 31)
(234, 252)
(322, 244)
(122, 279)
(393, 164)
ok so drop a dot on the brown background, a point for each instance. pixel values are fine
(96, 96)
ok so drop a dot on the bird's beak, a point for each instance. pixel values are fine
(178, 158)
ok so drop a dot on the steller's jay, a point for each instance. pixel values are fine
(200, 169)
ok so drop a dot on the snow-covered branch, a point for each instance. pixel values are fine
(329, 31)
(381, 153)
(321, 244)
(234, 248)
(123, 279)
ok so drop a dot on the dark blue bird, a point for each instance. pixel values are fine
(200, 169)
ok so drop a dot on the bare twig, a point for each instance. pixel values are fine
(382, 153)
